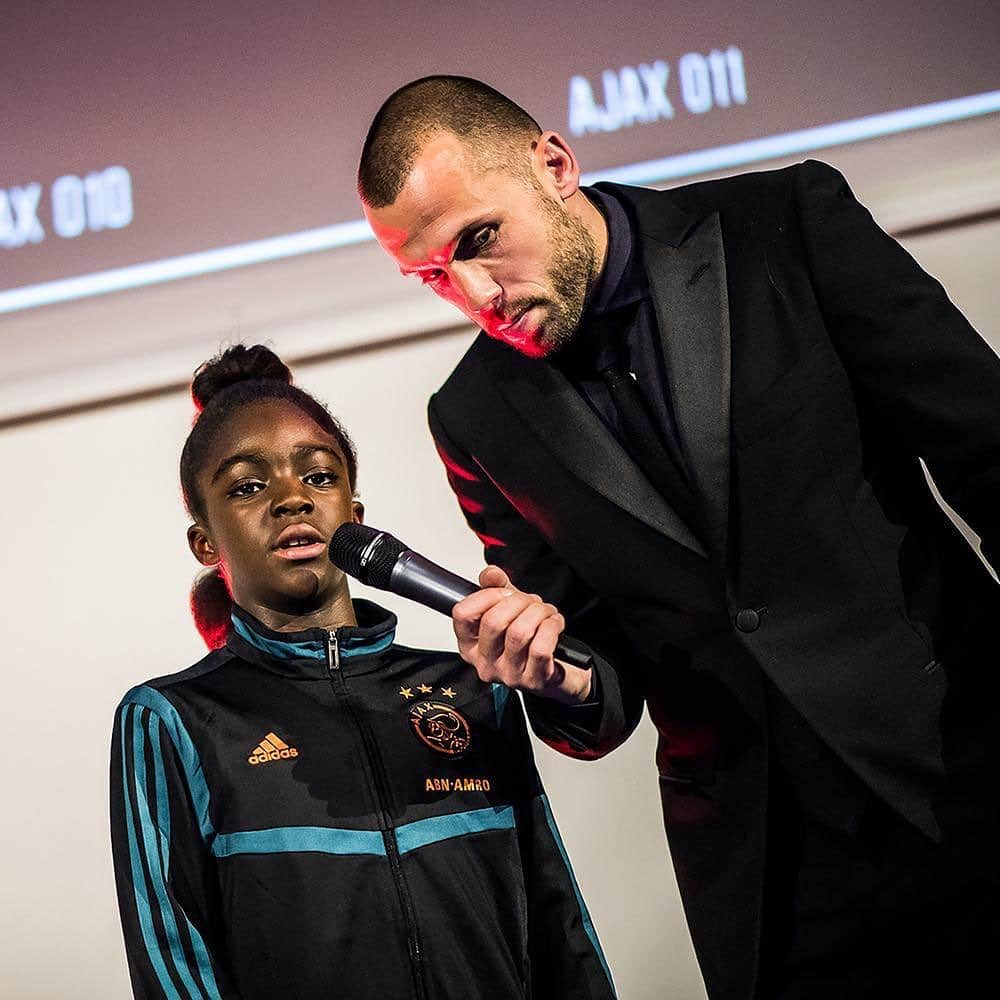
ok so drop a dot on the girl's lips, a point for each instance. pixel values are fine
(297, 552)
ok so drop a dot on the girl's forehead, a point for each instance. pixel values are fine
(269, 424)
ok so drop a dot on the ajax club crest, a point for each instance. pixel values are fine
(441, 727)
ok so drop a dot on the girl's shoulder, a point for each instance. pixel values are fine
(174, 686)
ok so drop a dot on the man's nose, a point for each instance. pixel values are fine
(475, 285)
(291, 497)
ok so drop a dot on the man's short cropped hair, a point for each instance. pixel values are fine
(475, 112)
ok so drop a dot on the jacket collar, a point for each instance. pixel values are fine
(684, 257)
(311, 651)
(659, 215)
(622, 282)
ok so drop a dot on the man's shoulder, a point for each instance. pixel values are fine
(474, 377)
(745, 189)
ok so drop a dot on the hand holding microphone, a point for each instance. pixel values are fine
(509, 637)
(513, 638)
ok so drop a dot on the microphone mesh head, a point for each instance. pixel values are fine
(365, 553)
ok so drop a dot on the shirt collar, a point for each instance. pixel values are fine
(601, 337)
(309, 650)
(622, 281)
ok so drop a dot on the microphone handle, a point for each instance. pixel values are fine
(425, 582)
(432, 585)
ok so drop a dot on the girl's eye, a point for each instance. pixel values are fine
(246, 488)
(321, 478)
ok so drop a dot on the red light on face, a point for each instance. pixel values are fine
(530, 348)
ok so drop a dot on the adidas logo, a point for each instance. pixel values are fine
(271, 747)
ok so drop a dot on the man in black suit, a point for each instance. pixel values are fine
(694, 421)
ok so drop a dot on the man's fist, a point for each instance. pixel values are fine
(510, 638)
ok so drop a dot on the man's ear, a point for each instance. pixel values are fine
(556, 165)
(358, 512)
(201, 544)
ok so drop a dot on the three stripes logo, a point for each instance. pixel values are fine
(271, 747)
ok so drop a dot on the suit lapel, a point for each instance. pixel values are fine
(562, 419)
(688, 282)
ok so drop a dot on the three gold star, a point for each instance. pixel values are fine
(448, 692)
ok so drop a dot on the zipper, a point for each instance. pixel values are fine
(388, 834)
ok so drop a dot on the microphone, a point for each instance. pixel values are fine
(380, 560)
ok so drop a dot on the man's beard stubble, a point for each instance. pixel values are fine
(572, 274)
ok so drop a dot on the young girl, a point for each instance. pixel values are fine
(313, 810)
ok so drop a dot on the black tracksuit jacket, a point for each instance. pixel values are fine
(328, 814)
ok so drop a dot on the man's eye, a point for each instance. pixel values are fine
(321, 478)
(246, 488)
(476, 242)
(482, 238)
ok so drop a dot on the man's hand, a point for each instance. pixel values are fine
(510, 638)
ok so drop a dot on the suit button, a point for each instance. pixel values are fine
(747, 620)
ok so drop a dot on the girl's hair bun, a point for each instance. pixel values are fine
(236, 364)
(212, 608)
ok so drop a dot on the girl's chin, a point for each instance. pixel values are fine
(300, 593)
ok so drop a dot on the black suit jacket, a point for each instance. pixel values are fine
(811, 365)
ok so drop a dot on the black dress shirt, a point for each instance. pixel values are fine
(619, 328)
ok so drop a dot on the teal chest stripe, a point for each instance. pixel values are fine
(285, 839)
(410, 836)
(331, 840)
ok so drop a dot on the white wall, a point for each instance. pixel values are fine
(96, 573)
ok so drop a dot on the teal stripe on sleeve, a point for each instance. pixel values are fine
(186, 751)
(150, 841)
(282, 839)
(421, 832)
(500, 695)
(163, 821)
(588, 924)
(162, 802)
(142, 904)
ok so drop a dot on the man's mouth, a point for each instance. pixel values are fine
(517, 330)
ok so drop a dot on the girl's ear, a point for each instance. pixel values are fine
(202, 546)
(358, 511)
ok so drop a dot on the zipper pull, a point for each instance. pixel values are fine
(332, 651)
